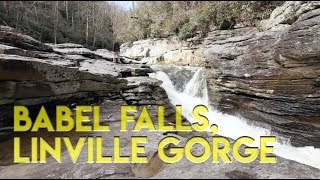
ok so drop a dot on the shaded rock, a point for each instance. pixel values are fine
(4, 49)
(8, 36)
(226, 24)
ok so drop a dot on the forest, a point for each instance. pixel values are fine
(96, 24)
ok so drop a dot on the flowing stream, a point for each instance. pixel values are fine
(186, 86)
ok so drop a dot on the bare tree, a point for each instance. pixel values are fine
(6, 8)
(94, 23)
(67, 13)
(55, 6)
(87, 30)
(90, 22)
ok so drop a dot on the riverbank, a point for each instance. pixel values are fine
(268, 73)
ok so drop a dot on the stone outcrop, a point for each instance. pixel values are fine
(10, 37)
(271, 76)
(288, 13)
(48, 74)
(173, 51)
(164, 52)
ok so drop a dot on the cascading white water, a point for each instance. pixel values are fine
(195, 92)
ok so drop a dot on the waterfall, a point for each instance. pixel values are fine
(186, 86)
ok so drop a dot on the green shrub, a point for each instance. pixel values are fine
(186, 31)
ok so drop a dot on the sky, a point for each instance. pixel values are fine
(127, 5)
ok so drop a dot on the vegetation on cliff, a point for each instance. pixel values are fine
(96, 24)
(186, 18)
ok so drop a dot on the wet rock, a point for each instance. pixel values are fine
(147, 91)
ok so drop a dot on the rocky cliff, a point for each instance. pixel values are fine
(165, 52)
(272, 76)
(33, 74)
(268, 73)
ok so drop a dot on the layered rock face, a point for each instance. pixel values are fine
(268, 74)
(165, 52)
(288, 13)
(34, 74)
(272, 76)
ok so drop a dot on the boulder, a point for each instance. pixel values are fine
(10, 37)
(288, 13)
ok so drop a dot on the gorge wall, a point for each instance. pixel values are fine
(272, 76)
(33, 73)
(269, 73)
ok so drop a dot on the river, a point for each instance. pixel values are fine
(186, 86)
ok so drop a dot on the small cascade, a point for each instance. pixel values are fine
(186, 86)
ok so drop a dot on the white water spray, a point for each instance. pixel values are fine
(195, 93)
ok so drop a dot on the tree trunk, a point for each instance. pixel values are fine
(67, 11)
(93, 25)
(17, 24)
(87, 31)
(72, 26)
(22, 11)
(55, 20)
(79, 14)
(20, 18)
(5, 8)
(94, 42)
(40, 38)
(37, 16)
